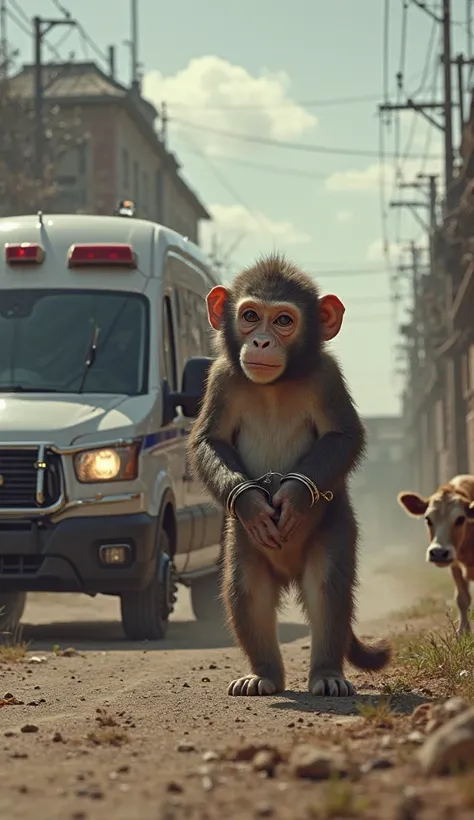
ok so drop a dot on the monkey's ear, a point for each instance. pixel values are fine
(216, 300)
(331, 311)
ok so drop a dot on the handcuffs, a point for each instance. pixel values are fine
(269, 483)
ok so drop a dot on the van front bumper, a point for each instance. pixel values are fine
(66, 556)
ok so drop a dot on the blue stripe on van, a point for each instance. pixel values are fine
(161, 437)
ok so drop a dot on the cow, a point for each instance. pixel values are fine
(449, 514)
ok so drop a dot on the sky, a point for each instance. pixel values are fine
(253, 90)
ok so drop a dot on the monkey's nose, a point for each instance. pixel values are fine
(261, 343)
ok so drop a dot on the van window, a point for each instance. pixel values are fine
(38, 354)
(194, 326)
(169, 348)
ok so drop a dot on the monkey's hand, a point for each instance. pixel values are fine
(255, 515)
(294, 499)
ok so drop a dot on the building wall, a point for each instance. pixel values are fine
(119, 163)
(383, 474)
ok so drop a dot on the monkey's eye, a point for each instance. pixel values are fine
(459, 521)
(250, 316)
(284, 320)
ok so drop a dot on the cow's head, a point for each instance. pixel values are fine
(447, 514)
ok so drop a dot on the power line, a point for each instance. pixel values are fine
(262, 166)
(324, 103)
(295, 146)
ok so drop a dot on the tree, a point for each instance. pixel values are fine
(20, 190)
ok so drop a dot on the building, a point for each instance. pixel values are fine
(376, 485)
(123, 156)
(439, 398)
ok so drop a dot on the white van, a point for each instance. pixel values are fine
(104, 351)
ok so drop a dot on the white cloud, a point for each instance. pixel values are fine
(230, 222)
(344, 216)
(212, 92)
(418, 141)
(377, 251)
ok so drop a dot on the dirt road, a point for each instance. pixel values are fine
(129, 731)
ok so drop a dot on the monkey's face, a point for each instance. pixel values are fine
(267, 331)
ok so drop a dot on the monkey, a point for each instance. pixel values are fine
(276, 437)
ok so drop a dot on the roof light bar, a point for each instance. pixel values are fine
(104, 255)
(24, 253)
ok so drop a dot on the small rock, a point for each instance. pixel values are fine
(247, 753)
(37, 659)
(29, 729)
(451, 747)
(416, 738)
(210, 756)
(433, 724)
(378, 763)
(205, 680)
(58, 738)
(386, 742)
(316, 764)
(174, 788)
(264, 810)
(420, 715)
(186, 746)
(409, 805)
(264, 761)
(455, 706)
(207, 783)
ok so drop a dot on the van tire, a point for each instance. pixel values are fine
(145, 613)
(205, 598)
(12, 607)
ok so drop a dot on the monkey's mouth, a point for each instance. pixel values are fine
(262, 365)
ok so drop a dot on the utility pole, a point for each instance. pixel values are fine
(164, 123)
(448, 103)
(134, 42)
(3, 40)
(41, 27)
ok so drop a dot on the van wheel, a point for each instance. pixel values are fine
(205, 599)
(12, 606)
(145, 613)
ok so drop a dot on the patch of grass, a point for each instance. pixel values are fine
(398, 685)
(378, 713)
(339, 801)
(12, 647)
(445, 657)
(70, 652)
(430, 605)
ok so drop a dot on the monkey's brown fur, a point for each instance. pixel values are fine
(304, 421)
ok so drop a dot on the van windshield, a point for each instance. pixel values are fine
(47, 338)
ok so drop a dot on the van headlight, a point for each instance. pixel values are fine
(107, 464)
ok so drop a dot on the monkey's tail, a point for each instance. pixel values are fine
(370, 658)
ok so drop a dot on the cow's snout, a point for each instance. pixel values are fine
(440, 555)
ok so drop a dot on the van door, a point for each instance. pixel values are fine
(176, 443)
(195, 341)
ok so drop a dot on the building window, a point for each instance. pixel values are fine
(125, 169)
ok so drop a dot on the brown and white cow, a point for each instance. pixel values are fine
(449, 514)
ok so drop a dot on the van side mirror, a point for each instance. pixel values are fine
(192, 391)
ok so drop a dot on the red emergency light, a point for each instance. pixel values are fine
(106, 254)
(25, 253)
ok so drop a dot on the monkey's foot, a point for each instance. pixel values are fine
(331, 687)
(252, 685)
